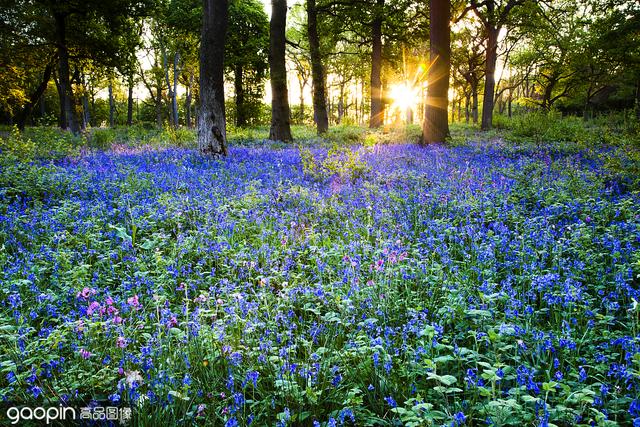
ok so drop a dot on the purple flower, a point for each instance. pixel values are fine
(133, 302)
(459, 419)
(390, 401)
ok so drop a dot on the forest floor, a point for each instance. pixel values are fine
(372, 284)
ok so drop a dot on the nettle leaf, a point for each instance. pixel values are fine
(444, 379)
(121, 232)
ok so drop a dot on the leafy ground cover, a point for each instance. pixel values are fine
(387, 285)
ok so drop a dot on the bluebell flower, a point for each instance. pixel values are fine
(582, 374)
(11, 377)
(390, 401)
(459, 419)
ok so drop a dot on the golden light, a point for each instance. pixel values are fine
(404, 96)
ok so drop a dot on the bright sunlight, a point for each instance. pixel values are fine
(404, 96)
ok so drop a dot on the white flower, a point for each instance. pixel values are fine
(133, 376)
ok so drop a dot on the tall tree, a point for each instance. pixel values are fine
(494, 15)
(212, 131)
(317, 69)
(435, 127)
(67, 115)
(377, 109)
(93, 30)
(467, 58)
(280, 113)
(246, 56)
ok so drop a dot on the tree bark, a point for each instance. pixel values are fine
(86, 115)
(435, 127)
(474, 104)
(188, 101)
(174, 100)
(280, 112)
(638, 98)
(112, 107)
(317, 70)
(130, 101)
(341, 103)
(238, 75)
(36, 96)
(302, 83)
(466, 109)
(490, 78)
(67, 116)
(212, 131)
(355, 102)
(377, 112)
(158, 103)
(171, 87)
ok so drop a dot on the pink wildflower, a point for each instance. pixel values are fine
(85, 293)
(93, 307)
(133, 301)
(121, 342)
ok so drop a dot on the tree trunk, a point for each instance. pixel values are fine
(362, 103)
(466, 109)
(130, 101)
(86, 115)
(112, 107)
(317, 70)
(280, 112)
(171, 87)
(341, 103)
(474, 104)
(355, 101)
(24, 115)
(490, 78)
(93, 97)
(43, 106)
(548, 93)
(67, 116)
(158, 103)
(187, 101)
(212, 131)
(377, 113)
(638, 98)
(302, 83)
(174, 100)
(241, 118)
(435, 127)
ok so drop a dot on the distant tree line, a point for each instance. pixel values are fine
(83, 61)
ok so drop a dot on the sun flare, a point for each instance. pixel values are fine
(404, 96)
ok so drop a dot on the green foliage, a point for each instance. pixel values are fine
(136, 136)
(34, 184)
(548, 127)
(569, 132)
(342, 162)
(622, 168)
(39, 143)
